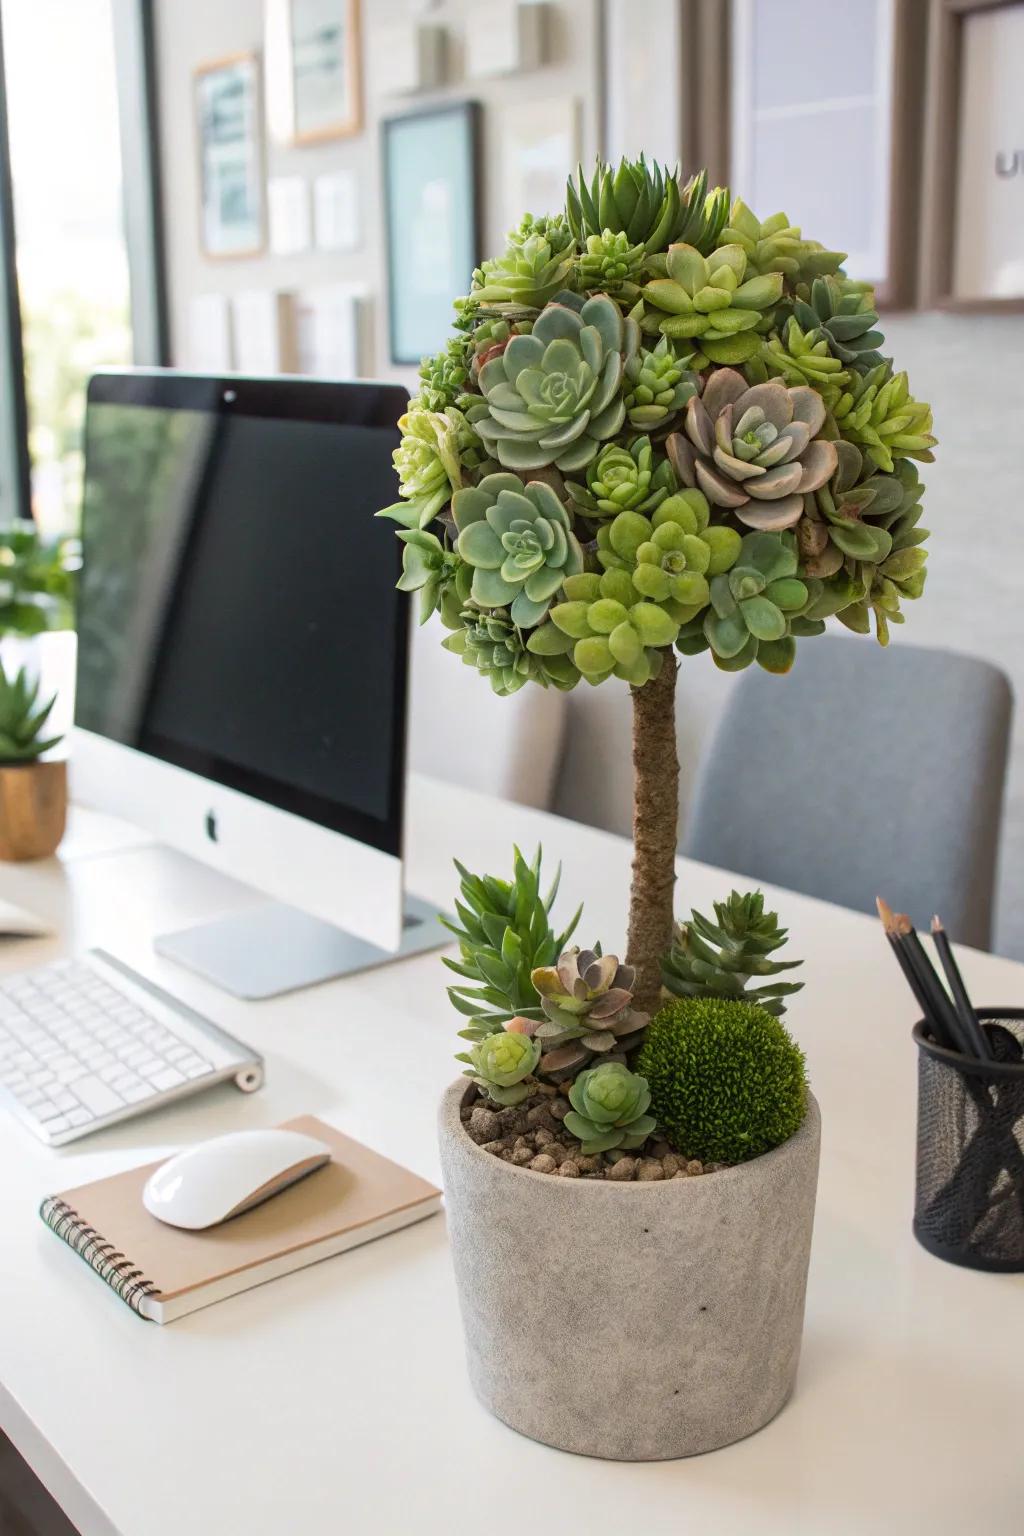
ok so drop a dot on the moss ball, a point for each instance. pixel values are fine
(727, 1082)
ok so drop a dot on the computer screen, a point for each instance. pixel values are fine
(237, 606)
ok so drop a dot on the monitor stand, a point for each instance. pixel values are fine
(266, 950)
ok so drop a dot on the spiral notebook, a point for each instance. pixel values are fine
(163, 1273)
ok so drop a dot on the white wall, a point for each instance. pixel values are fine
(194, 32)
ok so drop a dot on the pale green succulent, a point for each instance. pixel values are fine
(444, 376)
(520, 543)
(775, 245)
(658, 385)
(499, 1063)
(754, 449)
(427, 568)
(800, 357)
(711, 301)
(490, 642)
(429, 461)
(527, 275)
(845, 312)
(624, 478)
(610, 263)
(751, 604)
(672, 555)
(608, 627)
(609, 1109)
(554, 396)
(879, 414)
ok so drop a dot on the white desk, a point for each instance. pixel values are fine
(335, 1400)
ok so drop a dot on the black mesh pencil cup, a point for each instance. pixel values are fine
(969, 1201)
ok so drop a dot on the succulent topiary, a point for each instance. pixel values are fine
(727, 1082)
(498, 1063)
(504, 935)
(587, 1000)
(519, 541)
(23, 718)
(721, 958)
(609, 1109)
(554, 396)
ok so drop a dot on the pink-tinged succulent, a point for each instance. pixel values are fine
(754, 449)
(588, 1005)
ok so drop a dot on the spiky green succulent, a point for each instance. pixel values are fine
(444, 376)
(753, 449)
(620, 478)
(751, 607)
(496, 647)
(519, 540)
(504, 934)
(644, 202)
(658, 384)
(845, 312)
(608, 628)
(672, 555)
(731, 955)
(711, 301)
(528, 274)
(23, 718)
(878, 413)
(436, 448)
(587, 1000)
(800, 357)
(609, 1109)
(609, 263)
(498, 1064)
(554, 396)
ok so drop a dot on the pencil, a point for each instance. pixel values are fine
(922, 997)
(942, 1010)
(964, 1007)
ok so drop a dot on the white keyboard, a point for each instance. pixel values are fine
(87, 1042)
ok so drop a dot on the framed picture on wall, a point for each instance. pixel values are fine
(232, 215)
(973, 215)
(431, 206)
(314, 81)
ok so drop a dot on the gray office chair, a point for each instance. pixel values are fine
(863, 772)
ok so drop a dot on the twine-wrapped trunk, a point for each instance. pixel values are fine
(655, 829)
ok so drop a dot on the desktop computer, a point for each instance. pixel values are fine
(242, 658)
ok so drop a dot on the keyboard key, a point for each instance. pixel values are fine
(78, 1117)
(58, 1124)
(137, 1094)
(97, 1096)
(46, 1112)
(195, 1069)
(170, 1077)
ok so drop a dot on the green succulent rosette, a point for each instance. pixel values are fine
(554, 396)
(436, 448)
(608, 628)
(621, 479)
(499, 1063)
(519, 542)
(672, 555)
(658, 385)
(752, 607)
(800, 357)
(879, 414)
(609, 1109)
(527, 275)
(711, 301)
(495, 647)
(846, 314)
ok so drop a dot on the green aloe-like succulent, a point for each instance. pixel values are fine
(845, 312)
(657, 386)
(608, 628)
(528, 274)
(498, 1063)
(609, 1109)
(672, 555)
(644, 202)
(711, 300)
(751, 607)
(22, 718)
(493, 644)
(754, 449)
(435, 448)
(587, 1000)
(520, 543)
(554, 396)
(620, 479)
(879, 414)
(730, 955)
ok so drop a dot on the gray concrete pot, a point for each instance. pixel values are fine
(632, 1321)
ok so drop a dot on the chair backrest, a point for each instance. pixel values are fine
(863, 772)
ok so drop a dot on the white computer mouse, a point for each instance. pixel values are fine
(218, 1179)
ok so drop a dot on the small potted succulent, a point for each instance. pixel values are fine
(33, 792)
(663, 427)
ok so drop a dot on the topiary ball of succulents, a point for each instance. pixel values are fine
(587, 1000)
(520, 543)
(609, 1109)
(554, 396)
(754, 448)
(500, 1062)
(727, 1082)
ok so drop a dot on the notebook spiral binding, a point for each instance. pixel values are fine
(111, 1265)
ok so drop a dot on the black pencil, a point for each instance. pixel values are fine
(964, 1007)
(942, 1009)
(925, 1001)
